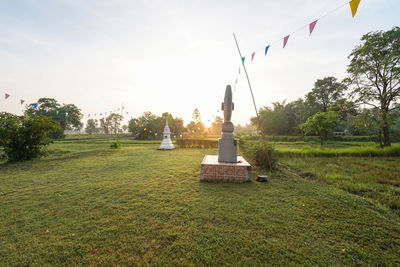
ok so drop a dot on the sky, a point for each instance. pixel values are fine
(175, 56)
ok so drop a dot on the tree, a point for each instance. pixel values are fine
(324, 94)
(281, 118)
(321, 124)
(367, 122)
(196, 115)
(114, 122)
(25, 137)
(68, 115)
(105, 125)
(147, 126)
(216, 126)
(375, 72)
(91, 126)
(196, 128)
(175, 124)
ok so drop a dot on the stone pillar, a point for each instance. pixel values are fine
(227, 144)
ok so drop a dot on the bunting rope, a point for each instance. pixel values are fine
(121, 110)
(353, 6)
(311, 26)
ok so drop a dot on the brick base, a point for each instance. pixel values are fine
(212, 170)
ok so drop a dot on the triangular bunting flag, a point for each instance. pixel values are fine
(353, 6)
(285, 39)
(57, 111)
(312, 26)
(243, 58)
(266, 49)
(252, 56)
(22, 101)
(7, 95)
(34, 106)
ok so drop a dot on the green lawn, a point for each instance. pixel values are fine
(87, 204)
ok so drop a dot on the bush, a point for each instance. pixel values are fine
(116, 145)
(25, 137)
(254, 151)
(284, 138)
(197, 143)
(369, 151)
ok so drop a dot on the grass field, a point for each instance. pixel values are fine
(87, 204)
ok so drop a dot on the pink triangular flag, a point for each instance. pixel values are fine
(285, 39)
(7, 95)
(312, 26)
(22, 101)
(252, 56)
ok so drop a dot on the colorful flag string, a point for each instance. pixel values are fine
(311, 26)
(121, 110)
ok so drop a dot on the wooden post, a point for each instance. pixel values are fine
(255, 107)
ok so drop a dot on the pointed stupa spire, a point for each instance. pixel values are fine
(166, 122)
(166, 143)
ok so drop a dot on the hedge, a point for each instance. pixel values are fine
(197, 143)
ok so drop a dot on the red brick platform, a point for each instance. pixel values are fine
(212, 170)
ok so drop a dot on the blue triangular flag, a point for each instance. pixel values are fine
(34, 106)
(266, 49)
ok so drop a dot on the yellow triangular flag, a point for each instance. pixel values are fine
(354, 5)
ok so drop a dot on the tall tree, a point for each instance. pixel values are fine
(147, 126)
(282, 118)
(196, 115)
(68, 115)
(367, 122)
(105, 125)
(375, 72)
(325, 93)
(114, 121)
(216, 126)
(91, 126)
(175, 124)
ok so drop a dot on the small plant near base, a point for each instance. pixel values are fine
(116, 145)
(255, 152)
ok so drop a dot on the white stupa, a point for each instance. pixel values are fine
(166, 143)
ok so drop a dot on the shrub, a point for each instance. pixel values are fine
(25, 137)
(369, 151)
(116, 145)
(255, 152)
(283, 138)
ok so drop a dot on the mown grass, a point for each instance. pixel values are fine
(87, 204)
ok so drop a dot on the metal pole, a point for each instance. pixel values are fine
(255, 107)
